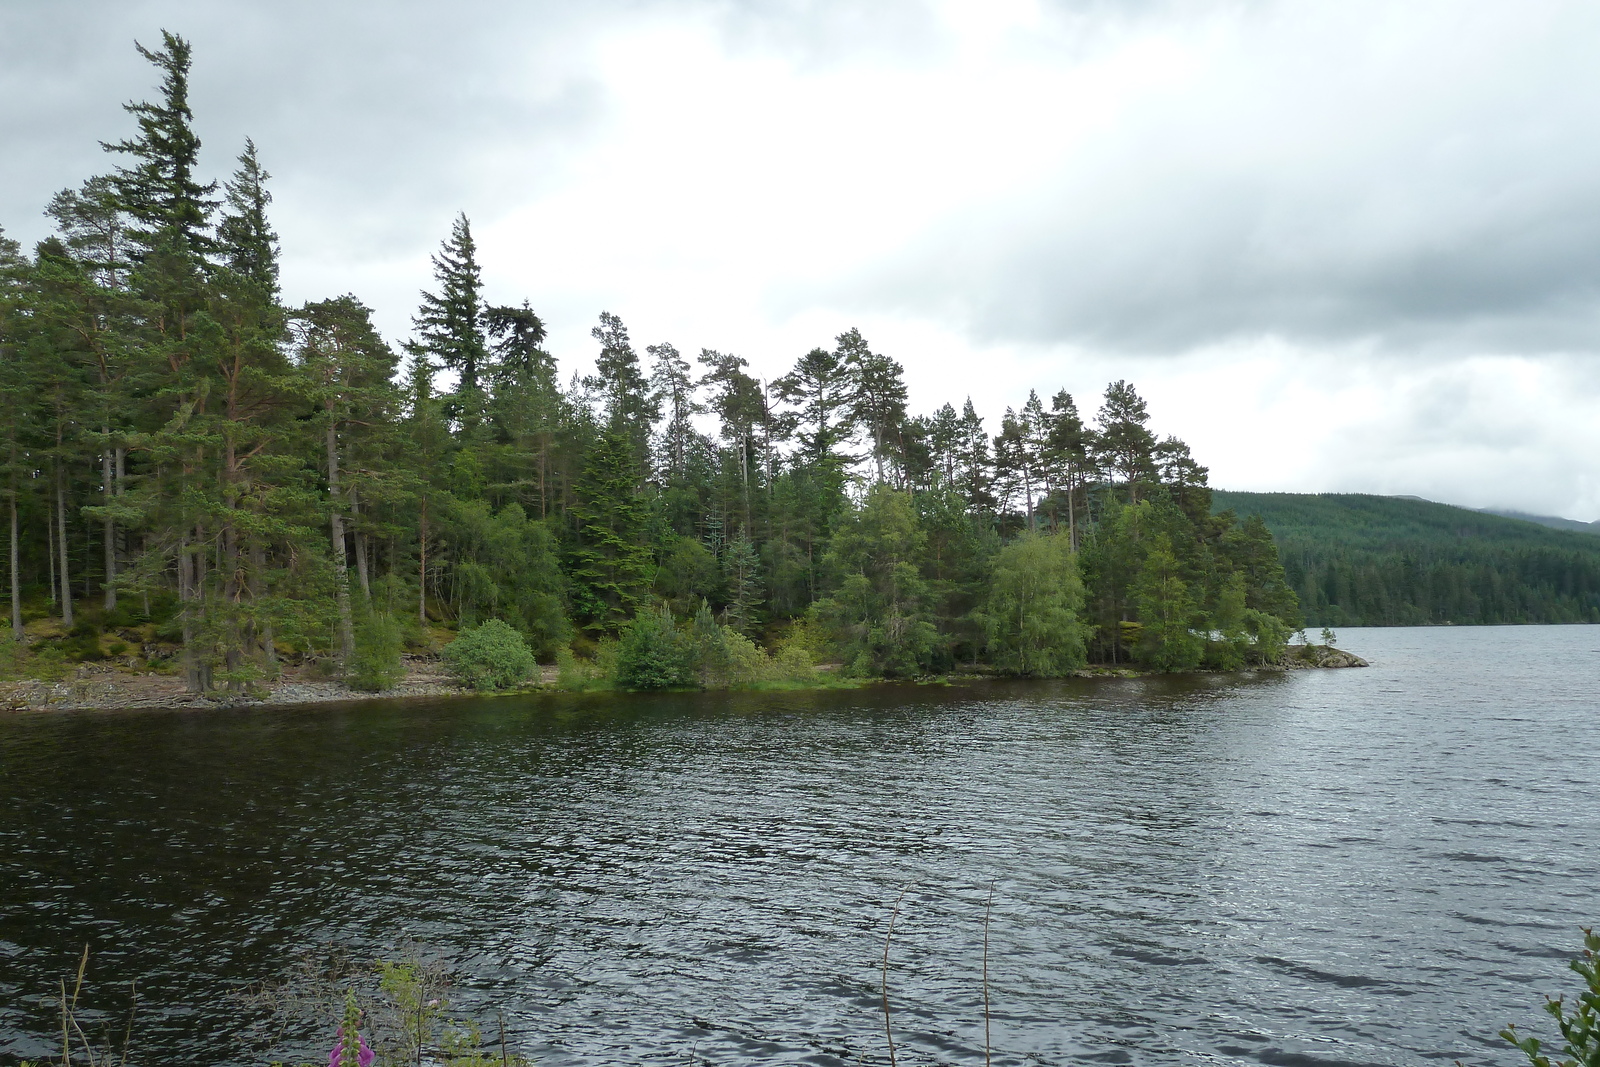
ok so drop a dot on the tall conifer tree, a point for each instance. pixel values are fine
(450, 323)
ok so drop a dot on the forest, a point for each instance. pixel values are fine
(1358, 560)
(231, 483)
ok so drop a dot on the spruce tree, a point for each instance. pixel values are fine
(450, 323)
(526, 404)
(170, 208)
(610, 561)
(245, 239)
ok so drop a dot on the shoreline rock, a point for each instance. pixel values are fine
(98, 687)
(1315, 657)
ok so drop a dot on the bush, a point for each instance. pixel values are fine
(723, 657)
(1581, 1027)
(653, 654)
(19, 660)
(491, 656)
(82, 643)
(376, 663)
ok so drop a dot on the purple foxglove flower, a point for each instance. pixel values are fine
(364, 1055)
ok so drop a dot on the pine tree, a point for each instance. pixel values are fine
(741, 407)
(1068, 450)
(877, 400)
(526, 404)
(975, 471)
(673, 392)
(820, 388)
(1125, 444)
(350, 370)
(878, 612)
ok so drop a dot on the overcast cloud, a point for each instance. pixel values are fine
(1340, 246)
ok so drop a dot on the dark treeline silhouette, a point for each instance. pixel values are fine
(1358, 560)
(183, 452)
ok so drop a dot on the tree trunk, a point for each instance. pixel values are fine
(361, 549)
(341, 585)
(258, 566)
(422, 566)
(192, 680)
(110, 530)
(1072, 515)
(50, 551)
(61, 544)
(16, 573)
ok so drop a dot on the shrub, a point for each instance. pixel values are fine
(491, 656)
(723, 657)
(1580, 1027)
(82, 643)
(376, 663)
(653, 654)
(20, 660)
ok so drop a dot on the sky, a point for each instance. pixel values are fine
(1345, 246)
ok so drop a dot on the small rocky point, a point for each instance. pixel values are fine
(1309, 657)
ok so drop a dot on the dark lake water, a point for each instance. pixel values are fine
(1332, 867)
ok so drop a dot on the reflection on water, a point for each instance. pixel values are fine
(1373, 866)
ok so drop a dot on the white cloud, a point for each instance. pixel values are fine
(1339, 245)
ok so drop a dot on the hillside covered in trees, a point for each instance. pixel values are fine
(1357, 560)
(224, 481)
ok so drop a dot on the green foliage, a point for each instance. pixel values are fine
(878, 614)
(1167, 611)
(1580, 1028)
(82, 643)
(610, 562)
(260, 484)
(1357, 560)
(574, 674)
(1031, 617)
(687, 573)
(723, 657)
(507, 568)
(375, 664)
(654, 654)
(491, 656)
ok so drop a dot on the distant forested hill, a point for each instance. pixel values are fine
(1359, 560)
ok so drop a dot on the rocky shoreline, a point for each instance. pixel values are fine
(102, 687)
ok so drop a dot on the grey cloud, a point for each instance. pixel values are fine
(1452, 210)
(370, 116)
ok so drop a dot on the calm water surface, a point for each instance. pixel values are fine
(1338, 867)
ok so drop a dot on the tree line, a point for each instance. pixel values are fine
(182, 448)
(1357, 560)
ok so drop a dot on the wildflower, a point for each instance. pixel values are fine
(361, 1055)
(364, 1055)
